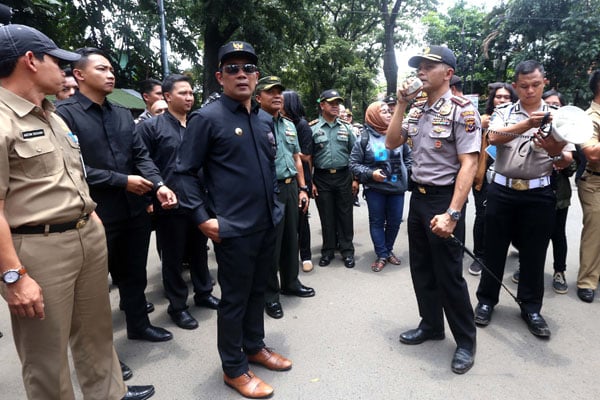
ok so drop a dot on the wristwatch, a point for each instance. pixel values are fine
(455, 215)
(557, 158)
(13, 275)
(303, 188)
(159, 185)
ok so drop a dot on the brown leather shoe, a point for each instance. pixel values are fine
(270, 360)
(249, 385)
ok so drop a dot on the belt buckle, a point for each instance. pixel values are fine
(422, 190)
(519, 184)
(332, 171)
(288, 181)
(80, 223)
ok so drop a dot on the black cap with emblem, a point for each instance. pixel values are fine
(440, 54)
(237, 48)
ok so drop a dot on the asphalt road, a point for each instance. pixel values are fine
(344, 341)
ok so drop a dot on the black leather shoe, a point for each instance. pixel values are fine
(586, 295)
(325, 260)
(184, 319)
(209, 301)
(302, 291)
(151, 334)
(463, 360)
(536, 324)
(418, 336)
(483, 314)
(125, 371)
(149, 307)
(349, 262)
(274, 310)
(139, 392)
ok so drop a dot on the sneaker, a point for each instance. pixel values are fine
(559, 283)
(515, 276)
(307, 265)
(475, 268)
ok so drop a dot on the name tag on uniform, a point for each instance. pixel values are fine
(33, 134)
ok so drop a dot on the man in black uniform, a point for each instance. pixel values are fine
(444, 132)
(175, 230)
(113, 156)
(232, 141)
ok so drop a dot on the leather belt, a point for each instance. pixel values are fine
(589, 171)
(54, 228)
(430, 189)
(331, 170)
(287, 181)
(521, 184)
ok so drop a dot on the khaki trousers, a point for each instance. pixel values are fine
(589, 250)
(71, 268)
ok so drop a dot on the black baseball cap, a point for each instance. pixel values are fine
(330, 95)
(237, 48)
(16, 40)
(440, 54)
(455, 80)
(269, 82)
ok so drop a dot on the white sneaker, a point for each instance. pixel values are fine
(307, 265)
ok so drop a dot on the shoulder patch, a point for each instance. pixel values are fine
(460, 100)
(313, 122)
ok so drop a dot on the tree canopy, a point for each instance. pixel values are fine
(317, 45)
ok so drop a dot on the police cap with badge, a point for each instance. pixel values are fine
(237, 49)
(440, 54)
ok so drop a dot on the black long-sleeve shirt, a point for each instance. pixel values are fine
(111, 151)
(236, 150)
(161, 136)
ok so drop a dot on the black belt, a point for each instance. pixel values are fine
(331, 170)
(54, 228)
(428, 189)
(286, 181)
(589, 171)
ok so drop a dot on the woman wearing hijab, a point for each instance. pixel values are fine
(384, 175)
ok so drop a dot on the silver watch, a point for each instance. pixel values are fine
(454, 214)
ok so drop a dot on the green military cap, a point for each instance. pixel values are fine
(269, 82)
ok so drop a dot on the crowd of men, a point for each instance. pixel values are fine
(82, 185)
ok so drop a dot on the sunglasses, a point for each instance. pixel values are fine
(234, 69)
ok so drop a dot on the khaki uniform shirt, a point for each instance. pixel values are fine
(517, 159)
(438, 134)
(41, 171)
(594, 113)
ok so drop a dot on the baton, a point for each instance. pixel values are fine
(470, 253)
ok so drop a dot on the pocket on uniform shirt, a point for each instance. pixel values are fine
(38, 158)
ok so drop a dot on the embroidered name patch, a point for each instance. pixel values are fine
(33, 134)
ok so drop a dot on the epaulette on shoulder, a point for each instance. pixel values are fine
(460, 100)
(313, 122)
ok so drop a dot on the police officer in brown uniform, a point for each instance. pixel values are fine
(53, 256)
(444, 132)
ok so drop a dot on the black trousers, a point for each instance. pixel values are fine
(559, 240)
(436, 270)
(304, 235)
(527, 219)
(336, 211)
(480, 197)
(285, 256)
(180, 240)
(244, 264)
(127, 243)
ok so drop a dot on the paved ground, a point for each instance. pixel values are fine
(344, 342)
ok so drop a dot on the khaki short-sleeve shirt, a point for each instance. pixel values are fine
(42, 179)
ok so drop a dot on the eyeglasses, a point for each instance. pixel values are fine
(234, 69)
